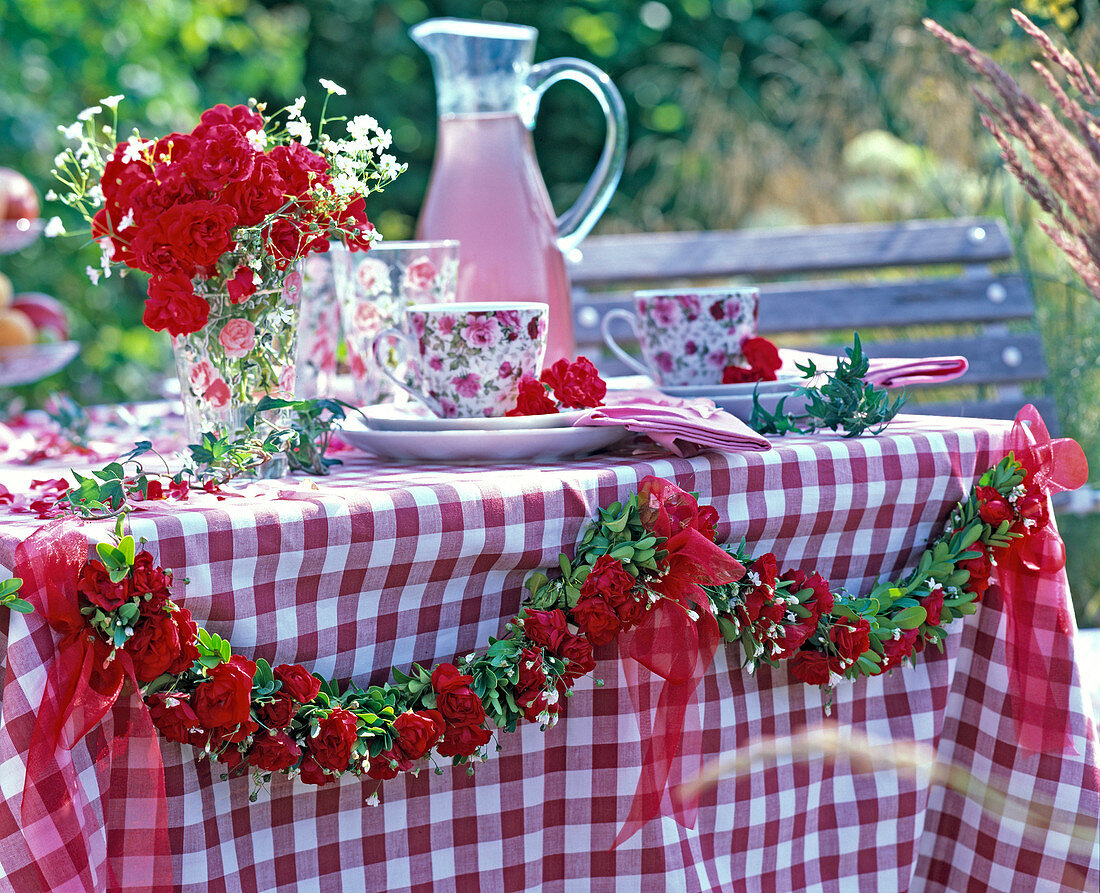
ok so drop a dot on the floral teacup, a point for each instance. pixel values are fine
(688, 337)
(466, 360)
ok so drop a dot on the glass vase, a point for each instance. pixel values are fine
(244, 352)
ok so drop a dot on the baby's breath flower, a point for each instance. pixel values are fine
(294, 110)
(257, 139)
(112, 101)
(73, 131)
(54, 226)
(89, 113)
(333, 88)
(300, 130)
(93, 274)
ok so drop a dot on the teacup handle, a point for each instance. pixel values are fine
(605, 330)
(402, 340)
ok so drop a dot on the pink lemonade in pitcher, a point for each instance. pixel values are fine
(486, 190)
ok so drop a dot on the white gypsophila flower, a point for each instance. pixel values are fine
(95, 194)
(835, 680)
(300, 130)
(257, 139)
(93, 274)
(112, 101)
(294, 110)
(60, 158)
(372, 800)
(54, 226)
(389, 168)
(333, 88)
(73, 131)
(135, 146)
(361, 127)
(51, 196)
(89, 113)
(107, 249)
(127, 220)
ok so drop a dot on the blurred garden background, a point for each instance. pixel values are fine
(742, 113)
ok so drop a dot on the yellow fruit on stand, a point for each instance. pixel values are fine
(5, 290)
(15, 329)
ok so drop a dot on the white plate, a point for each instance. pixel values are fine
(481, 447)
(784, 382)
(387, 417)
(23, 365)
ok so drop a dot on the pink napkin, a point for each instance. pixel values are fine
(888, 372)
(665, 420)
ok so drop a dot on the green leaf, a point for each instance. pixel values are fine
(910, 618)
(18, 604)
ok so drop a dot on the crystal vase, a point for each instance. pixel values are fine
(245, 351)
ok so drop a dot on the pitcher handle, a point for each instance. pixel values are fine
(578, 221)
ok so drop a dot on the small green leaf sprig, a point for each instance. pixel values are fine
(844, 402)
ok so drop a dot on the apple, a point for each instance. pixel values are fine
(46, 313)
(15, 329)
(17, 196)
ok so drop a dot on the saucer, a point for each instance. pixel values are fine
(387, 417)
(785, 382)
(24, 365)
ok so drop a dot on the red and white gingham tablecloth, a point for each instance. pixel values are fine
(380, 565)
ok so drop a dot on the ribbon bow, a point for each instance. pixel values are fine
(82, 687)
(1032, 577)
(674, 646)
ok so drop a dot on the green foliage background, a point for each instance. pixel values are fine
(742, 113)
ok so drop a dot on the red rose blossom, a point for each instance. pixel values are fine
(198, 232)
(311, 772)
(734, 374)
(577, 385)
(458, 703)
(979, 569)
(278, 712)
(298, 682)
(153, 647)
(546, 628)
(596, 619)
(273, 752)
(239, 116)
(811, 667)
(933, 604)
(896, 650)
(379, 767)
(851, 639)
(257, 196)
(577, 651)
(463, 741)
(187, 632)
(241, 285)
(173, 305)
(821, 602)
(417, 733)
(532, 399)
(299, 168)
(224, 698)
(336, 736)
(993, 507)
(221, 155)
(96, 586)
(172, 715)
(762, 357)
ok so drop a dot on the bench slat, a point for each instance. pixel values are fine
(813, 306)
(990, 409)
(775, 252)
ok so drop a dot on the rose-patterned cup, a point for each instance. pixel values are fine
(687, 337)
(374, 288)
(466, 360)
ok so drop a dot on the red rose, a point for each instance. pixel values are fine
(577, 385)
(96, 586)
(220, 156)
(120, 178)
(359, 230)
(230, 755)
(821, 602)
(278, 712)
(933, 604)
(106, 223)
(287, 241)
(596, 619)
(738, 375)
(173, 305)
(666, 509)
(262, 193)
(225, 697)
(979, 569)
(241, 285)
(274, 752)
(172, 715)
(239, 116)
(154, 197)
(199, 231)
(762, 357)
(418, 732)
(156, 250)
(379, 767)
(532, 399)
(577, 652)
(153, 647)
(460, 706)
(335, 738)
(297, 682)
(546, 628)
(463, 741)
(312, 772)
(187, 632)
(896, 650)
(150, 583)
(993, 507)
(811, 667)
(1034, 507)
(609, 579)
(299, 168)
(851, 640)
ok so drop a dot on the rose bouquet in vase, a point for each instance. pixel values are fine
(220, 218)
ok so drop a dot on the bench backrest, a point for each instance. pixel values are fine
(926, 278)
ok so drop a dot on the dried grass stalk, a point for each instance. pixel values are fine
(1064, 152)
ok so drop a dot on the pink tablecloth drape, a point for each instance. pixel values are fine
(380, 565)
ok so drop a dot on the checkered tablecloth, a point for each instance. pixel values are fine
(380, 565)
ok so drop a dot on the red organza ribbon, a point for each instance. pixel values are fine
(81, 689)
(1032, 578)
(679, 650)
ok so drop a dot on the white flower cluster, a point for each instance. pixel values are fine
(360, 162)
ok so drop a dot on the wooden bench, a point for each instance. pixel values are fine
(894, 277)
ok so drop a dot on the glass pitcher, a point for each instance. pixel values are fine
(486, 189)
